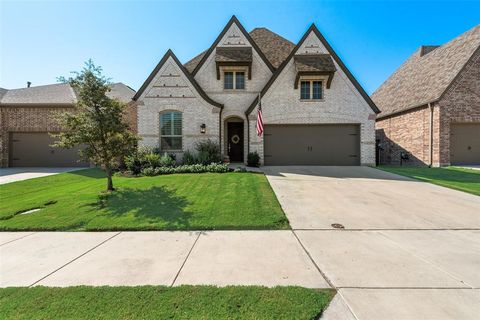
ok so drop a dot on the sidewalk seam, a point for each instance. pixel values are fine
(186, 258)
(17, 239)
(69, 262)
(313, 261)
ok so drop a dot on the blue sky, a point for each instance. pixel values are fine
(40, 41)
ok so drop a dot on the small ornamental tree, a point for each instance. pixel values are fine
(98, 123)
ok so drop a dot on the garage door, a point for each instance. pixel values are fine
(33, 150)
(465, 143)
(326, 145)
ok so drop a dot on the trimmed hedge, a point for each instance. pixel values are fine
(193, 168)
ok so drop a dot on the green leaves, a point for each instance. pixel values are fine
(98, 121)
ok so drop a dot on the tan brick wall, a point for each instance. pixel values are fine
(170, 90)
(410, 131)
(460, 104)
(41, 119)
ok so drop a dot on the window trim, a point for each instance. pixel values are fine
(160, 135)
(234, 71)
(311, 81)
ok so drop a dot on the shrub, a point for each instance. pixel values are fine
(152, 160)
(139, 159)
(167, 160)
(208, 152)
(188, 158)
(253, 159)
(194, 168)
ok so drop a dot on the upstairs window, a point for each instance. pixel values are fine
(171, 131)
(234, 80)
(311, 90)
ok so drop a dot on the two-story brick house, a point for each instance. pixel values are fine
(314, 111)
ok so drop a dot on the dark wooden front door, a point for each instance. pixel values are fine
(235, 141)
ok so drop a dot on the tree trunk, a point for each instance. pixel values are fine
(108, 171)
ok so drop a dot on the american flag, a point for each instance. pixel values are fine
(259, 117)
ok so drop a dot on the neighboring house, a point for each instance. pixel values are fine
(27, 115)
(314, 111)
(431, 106)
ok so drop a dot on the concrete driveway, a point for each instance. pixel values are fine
(367, 198)
(409, 250)
(8, 175)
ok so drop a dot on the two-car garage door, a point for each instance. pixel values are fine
(326, 145)
(32, 149)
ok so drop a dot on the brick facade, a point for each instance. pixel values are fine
(38, 119)
(21, 119)
(410, 131)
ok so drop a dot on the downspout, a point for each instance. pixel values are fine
(220, 142)
(248, 135)
(430, 107)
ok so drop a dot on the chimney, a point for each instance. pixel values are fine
(424, 50)
(29, 84)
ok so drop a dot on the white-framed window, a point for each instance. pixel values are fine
(311, 89)
(171, 131)
(234, 80)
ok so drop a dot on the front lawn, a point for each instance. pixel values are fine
(462, 179)
(73, 201)
(154, 302)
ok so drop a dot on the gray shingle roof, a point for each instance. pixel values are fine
(228, 54)
(273, 46)
(423, 79)
(56, 94)
(314, 63)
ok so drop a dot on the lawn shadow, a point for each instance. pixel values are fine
(153, 205)
(95, 173)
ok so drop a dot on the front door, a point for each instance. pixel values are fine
(235, 141)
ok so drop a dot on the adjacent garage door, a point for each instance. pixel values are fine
(326, 145)
(465, 143)
(33, 150)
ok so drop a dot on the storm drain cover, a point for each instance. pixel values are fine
(337, 226)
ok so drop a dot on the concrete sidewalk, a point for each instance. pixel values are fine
(386, 274)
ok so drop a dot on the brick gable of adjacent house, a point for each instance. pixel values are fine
(409, 132)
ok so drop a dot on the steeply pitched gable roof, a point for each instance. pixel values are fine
(232, 21)
(337, 59)
(275, 48)
(59, 94)
(424, 79)
(185, 72)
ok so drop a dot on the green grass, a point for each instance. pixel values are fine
(154, 302)
(74, 201)
(462, 179)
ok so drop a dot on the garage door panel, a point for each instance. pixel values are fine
(312, 144)
(33, 149)
(465, 143)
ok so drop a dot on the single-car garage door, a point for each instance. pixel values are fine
(465, 143)
(33, 149)
(325, 145)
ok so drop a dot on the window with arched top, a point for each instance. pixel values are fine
(171, 131)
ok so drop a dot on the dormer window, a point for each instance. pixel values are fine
(311, 90)
(234, 63)
(234, 80)
(314, 74)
